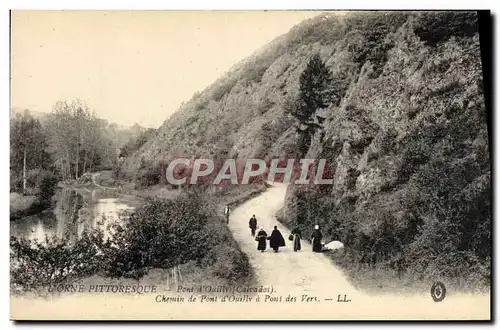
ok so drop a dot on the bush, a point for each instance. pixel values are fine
(228, 262)
(40, 264)
(160, 234)
(373, 28)
(436, 27)
(16, 183)
(255, 70)
(222, 88)
(47, 183)
(33, 178)
(148, 175)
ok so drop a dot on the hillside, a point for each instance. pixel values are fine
(406, 141)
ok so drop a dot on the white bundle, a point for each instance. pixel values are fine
(333, 245)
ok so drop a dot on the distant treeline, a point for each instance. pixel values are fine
(66, 143)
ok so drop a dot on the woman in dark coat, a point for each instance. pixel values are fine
(297, 236)
(261, 238)
(276, 239)
(316, 239)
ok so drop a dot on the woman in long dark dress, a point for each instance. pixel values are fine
(316, 239)
(276, 240)
(297, 236)
(261, 239)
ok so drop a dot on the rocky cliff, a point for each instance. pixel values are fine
(407, 143)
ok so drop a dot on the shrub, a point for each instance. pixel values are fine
(254, 70)
(160, 234)
(147, 175)
(222, 88)
(436, 27)
(16, 182)
(373, 27)
(32, 178)
(39, 264)
(47, 184)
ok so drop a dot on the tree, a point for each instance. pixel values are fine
(27, 145)
(315, 92)
(76, 138)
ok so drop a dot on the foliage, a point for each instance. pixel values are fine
(26, 133)
(416, 198)
(405, 132)
(372, 30)
(148, 174)
(47, 184)
(20, 203)
(436, 27)
(135, 143)
(39, 264)
(75, 138)
(315, 93)
(27, 150)
(222, 88)
(160, 234)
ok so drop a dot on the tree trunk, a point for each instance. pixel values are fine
(24, 172)
(77, 161)
(84, 164)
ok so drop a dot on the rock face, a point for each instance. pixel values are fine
(407, 145)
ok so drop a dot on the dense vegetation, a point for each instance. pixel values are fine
(68, 142)
(402, 126)
(405, 136)
(61, 146)
(161, 234)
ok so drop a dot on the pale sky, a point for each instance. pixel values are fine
(131, 66)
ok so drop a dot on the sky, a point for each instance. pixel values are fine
(132, 66)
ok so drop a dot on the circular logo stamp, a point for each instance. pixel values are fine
(438, 291)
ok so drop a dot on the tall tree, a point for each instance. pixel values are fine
(316, 92)
(75, 138)
(27, 145)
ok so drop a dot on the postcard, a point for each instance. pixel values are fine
(250, 165)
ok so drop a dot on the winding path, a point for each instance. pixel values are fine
(307, 274)
(297, 273)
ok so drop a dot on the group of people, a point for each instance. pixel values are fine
(276, 240)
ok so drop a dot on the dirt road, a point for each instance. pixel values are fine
(306, 274)
(302, 272)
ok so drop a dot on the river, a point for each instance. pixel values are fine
(75, 210)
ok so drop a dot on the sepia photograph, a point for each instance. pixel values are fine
(250, 165)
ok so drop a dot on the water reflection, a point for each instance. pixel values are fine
(74, 212)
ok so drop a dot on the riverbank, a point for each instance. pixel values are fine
(224, 264)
